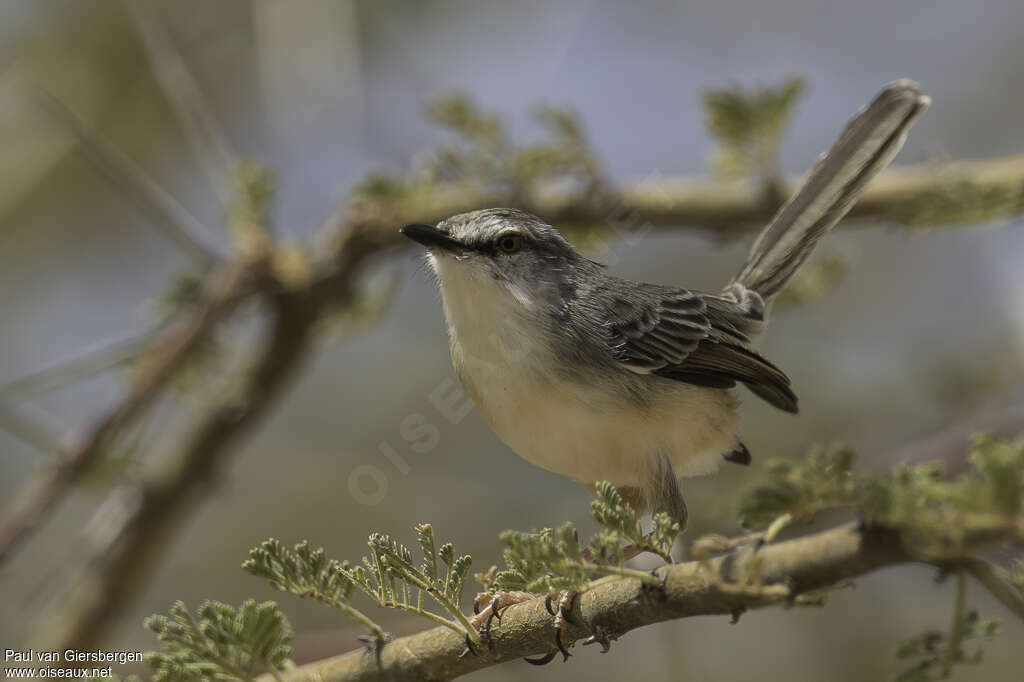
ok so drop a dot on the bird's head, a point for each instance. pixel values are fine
(514, 251)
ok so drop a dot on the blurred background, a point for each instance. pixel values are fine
(923, 333)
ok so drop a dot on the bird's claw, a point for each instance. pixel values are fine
(489, 607)
(660, 589)
(542, 660)
(602, 636)
(470, 649)
(563, 617)
(373, 644)
(496, 607)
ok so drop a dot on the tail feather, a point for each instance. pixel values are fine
(866, 146)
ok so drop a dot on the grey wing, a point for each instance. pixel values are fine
(691, 337)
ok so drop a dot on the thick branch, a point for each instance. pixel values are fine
(788, 569)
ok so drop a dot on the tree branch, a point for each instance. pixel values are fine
(971, 191)
(787, 569)
(117, 568)
(114, 569)
(202, 132)
(227, 287)
(175, 220)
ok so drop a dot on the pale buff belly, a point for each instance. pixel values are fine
(576, 430)
(589, 435)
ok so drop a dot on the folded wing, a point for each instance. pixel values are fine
(676, 334)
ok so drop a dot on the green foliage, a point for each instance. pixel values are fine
(255, 189)
(389, 576)
(958, 201)
(185, 291)
(932, 510)
(566, 154)
(748, 126)
(543, 561)
(460, 114)
(309, 574)
(1017, 574)
(381, 188)
(929, 510)
(482, 155)
(929, 507)
(621, 523)
(221, 643)
(548, 560)
(802, 489)
(183, 295)
(932, 653)
(116, 459)
(396, 560)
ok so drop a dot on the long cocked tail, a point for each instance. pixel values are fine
(866, 146)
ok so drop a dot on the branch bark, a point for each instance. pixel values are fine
(227, 288)
(114, 570)
(730, 209)
(118, 568)
(788, 569)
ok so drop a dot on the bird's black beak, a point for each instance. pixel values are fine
(431, 237)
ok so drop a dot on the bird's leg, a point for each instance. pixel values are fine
(661, 494)
(664, 495)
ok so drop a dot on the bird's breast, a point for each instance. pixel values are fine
(577, 424)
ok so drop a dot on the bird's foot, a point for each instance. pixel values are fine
(601, 635)
(658, 589)
(560, 605)
(374, 645)
(488, 608)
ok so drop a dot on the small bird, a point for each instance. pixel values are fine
(599, 378)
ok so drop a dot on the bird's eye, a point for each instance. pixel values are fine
(509, 243)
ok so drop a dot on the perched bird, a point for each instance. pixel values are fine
(599, 378)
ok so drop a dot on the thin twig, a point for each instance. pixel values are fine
(15, 420)
(128, 177)
(997, 581)
(116, 567)
(90, 362)
(227, 288)
(198, 123)
(956, 629)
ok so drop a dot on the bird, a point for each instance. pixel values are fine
(599, 378)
